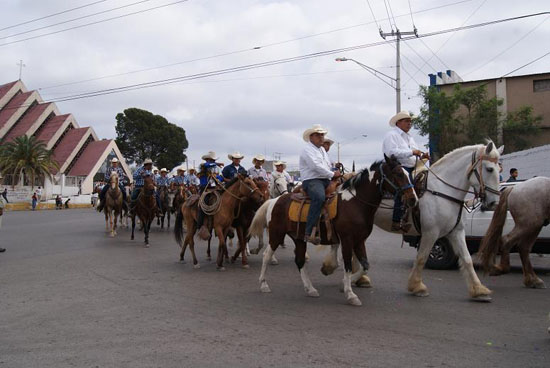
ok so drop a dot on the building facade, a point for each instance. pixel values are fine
(78, 151)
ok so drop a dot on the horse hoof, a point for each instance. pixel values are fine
(355, 302)
(482, 298)
(246, 267)
(363, 282)
(265, 288)
(274, 262)
(197, 266)
(182, 261)
(221, 269)
(147, 245)
(112, 235)
(422, 293)
(233, 260)
(537, 285)
(312, 293)
(254, 251)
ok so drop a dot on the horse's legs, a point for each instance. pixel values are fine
(221, 247)
(530, 279)
(347, 252)
(242, 246)
(300, 260)
(146, 228)
(415, 284)
(133, 226)
(115, 219)
(330, 263)
(360, 265)
(107, 228)
(269, 250)
(477, 290)
(208, 255)
(168, 218)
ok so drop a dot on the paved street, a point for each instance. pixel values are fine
(72, 297)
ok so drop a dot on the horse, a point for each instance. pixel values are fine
(529, 205)
(165, 202)
(113, 204)
(441, 205)
(358, 200)
(234, 193)
(145, 208)
(278, 187)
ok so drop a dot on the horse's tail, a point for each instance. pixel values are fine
(259, 222)
(178, 228)
(492, 240)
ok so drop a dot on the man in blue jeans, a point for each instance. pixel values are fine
(316, 173)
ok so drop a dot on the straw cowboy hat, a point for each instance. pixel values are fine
(192, 170)
(163, 170)
(210, 155)
(258, 158)
(316, 128)
(329, 141)
(400, 115)
(148, 161)
(233, 155)
(114, 159)
(278, 163)
(180, 169)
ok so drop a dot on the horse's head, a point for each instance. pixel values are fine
(148, 185)
(249, 189)
(263, 187)
(395, 179)
(113, 180)
(280, 186)
(483, 174)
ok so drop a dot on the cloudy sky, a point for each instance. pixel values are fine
(263, 110)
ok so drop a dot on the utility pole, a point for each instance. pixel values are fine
(20, 65)
(397, 34)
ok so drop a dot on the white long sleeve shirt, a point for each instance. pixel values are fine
(315, 163)
(400, 144)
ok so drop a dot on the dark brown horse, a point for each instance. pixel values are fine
(165, 202)
(231, 200)
(358, 200)
(145, 208)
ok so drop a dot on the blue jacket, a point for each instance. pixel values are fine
(230, 171)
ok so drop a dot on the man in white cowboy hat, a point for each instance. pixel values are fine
(139, 175)
(192, 178)
(399, 143)
(178, 179)
(257, 171)
(121, 179)
(2, 206)
(209, 177)
(163, 180)
(280, 171)
(316, 173)
(230, 171)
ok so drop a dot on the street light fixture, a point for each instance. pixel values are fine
(339, 144)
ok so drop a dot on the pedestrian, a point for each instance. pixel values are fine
(500, 178)
(34, 201)
(2, 205)
(5, 195)
(513, 175)
(39, 194)
(58, 203)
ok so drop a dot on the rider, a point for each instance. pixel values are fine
(163, 180)
(139, 182)
(209, 176)
(230, 171)
(399, 143)
(121, 178)
(191, 179)
(316, 173)
(179, 179)
(257, 171)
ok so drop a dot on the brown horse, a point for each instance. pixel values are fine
(145, 208)
(113, 204)
(231, 201)
(165, 212)
(358, 200)
(529, 205)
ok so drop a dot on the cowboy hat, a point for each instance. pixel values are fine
(258, 158)
(148, 161)
(328, 140)
(191, 170)
(114, 159)
(210, 155)
(278, 163)
(163, 170)
(180, 169)
(400, 115)
(316, 128)
(233, 155)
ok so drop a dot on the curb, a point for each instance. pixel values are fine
(24, 206)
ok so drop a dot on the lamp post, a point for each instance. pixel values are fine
(338, 144)
(378, 74)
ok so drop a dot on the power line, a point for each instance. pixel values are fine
(75, 19)
(508, 48)
(373, 17)
(161, 82)
(391, 12)
(53, 15)
(96, 22)
(419, 56)
(524, 65)
(388, 13)
(411, 12)
(246, 49)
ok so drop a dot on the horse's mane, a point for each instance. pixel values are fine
(456, 151)
(231, 182)
(355, 181)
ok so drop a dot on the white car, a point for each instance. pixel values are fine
(476, 221)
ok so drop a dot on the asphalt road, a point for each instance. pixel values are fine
(72, 297)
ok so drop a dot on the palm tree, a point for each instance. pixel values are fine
(27, 157)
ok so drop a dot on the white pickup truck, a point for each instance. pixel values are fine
(476, 221)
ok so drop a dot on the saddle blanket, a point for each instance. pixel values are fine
(295, 215)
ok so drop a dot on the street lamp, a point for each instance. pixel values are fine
(378, 74)
(338, 144)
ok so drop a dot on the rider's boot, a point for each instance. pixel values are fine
(204, 233)
(313, 238)
(100, 206)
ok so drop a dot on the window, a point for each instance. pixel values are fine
(541, 85)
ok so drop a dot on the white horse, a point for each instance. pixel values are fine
(278, 186)
(448, 183)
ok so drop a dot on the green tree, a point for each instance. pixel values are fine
(27, 157)
(141, 135)
(467, 116)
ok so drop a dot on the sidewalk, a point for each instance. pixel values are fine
(26, 206)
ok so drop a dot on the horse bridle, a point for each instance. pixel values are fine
(277, 188)
(477, 163)
(384, 179)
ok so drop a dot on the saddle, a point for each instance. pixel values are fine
(299, 207)
(191, 200)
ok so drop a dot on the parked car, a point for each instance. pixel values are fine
(477, 220)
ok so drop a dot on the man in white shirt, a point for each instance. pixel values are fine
(401, 145)
(257, 171)
(316, 173)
